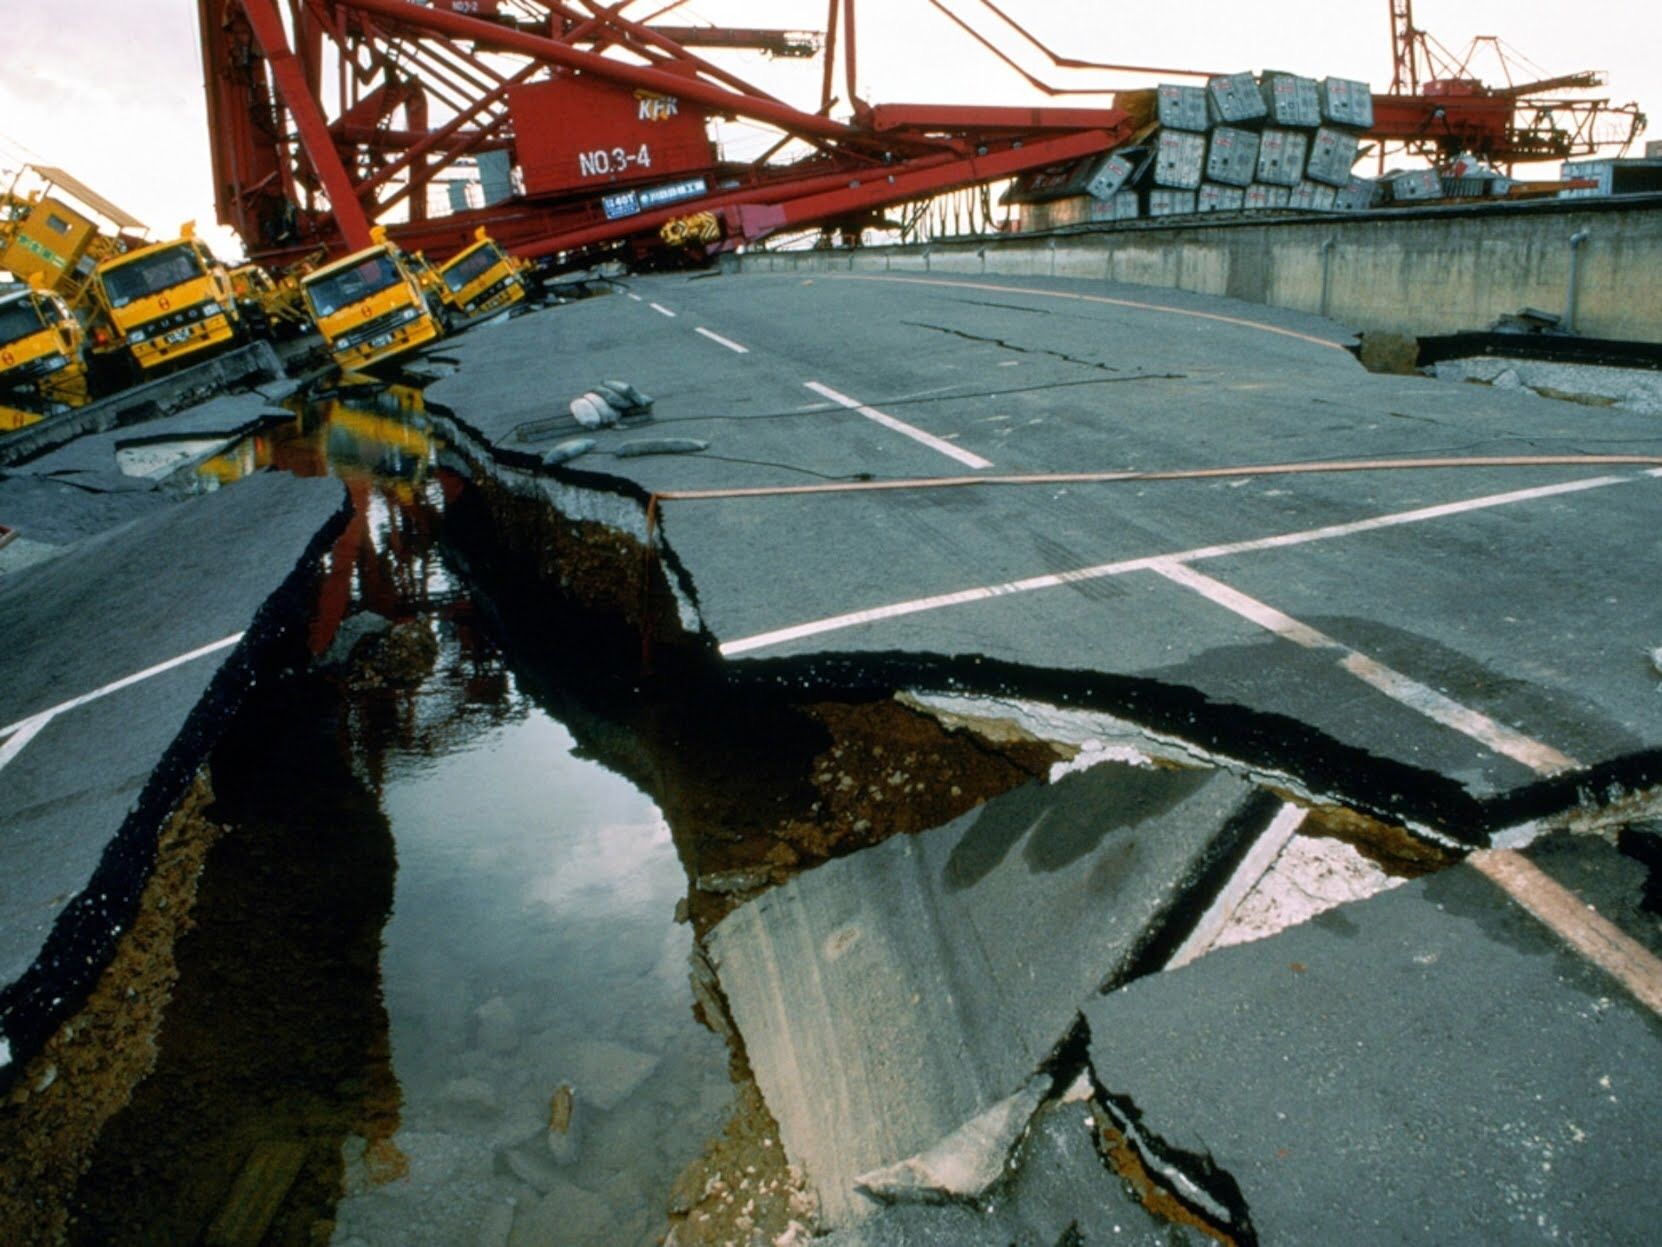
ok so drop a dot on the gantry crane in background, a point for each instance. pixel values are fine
(324, 117)
(1438, 108)
(584, 130)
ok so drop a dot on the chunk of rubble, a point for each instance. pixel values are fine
(1057, 1191)
(967, 1162)
(889, 997)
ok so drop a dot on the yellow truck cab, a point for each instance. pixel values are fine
(480, 279)
(369, 306)
(41, 365)
(162, 303)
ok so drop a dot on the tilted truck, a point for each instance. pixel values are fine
(42, 369)
(144, 305)
(370, 306)
(479, 279)
(163, 304)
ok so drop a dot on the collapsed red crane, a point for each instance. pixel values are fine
(1438, 108)
(320, 124)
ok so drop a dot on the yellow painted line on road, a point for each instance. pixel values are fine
(1580, 926)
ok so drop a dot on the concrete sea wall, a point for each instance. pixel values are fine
(1418, 271)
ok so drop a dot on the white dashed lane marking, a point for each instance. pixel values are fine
(940, 445)
(727, 342)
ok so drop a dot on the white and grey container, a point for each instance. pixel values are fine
(1259, 196)
(1115, 171)
(1347, 102)
(1281, 157)
(1122, 206)
(1181, 108)
(1232, 156)
(1179, 160)
(1356, 195)
(1235, 99)
(1170, 203)
(1291, 100)
(1214, 198)
(1332, 153)
(1415, 186)
(1312, 197)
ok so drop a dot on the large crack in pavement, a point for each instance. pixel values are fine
(1006, 344)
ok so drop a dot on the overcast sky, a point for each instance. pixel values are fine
(112, 89)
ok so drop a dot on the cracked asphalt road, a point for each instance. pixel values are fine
(1462, 646)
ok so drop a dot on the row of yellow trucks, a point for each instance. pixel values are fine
(96, 307)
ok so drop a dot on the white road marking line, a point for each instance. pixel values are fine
(662, 310)
(635, 297)
(1591, 934)
(24, 730)
(21, 735)
(967, 458)
(836, 623)
(727, 342)
(1254, 866)
(1540, 758)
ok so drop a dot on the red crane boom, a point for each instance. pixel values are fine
(320, 124)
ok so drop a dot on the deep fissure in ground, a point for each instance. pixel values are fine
(277, 1029)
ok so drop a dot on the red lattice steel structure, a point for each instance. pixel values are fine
(1438, 107)
(326, 116)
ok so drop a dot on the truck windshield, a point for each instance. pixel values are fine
(472, 266)
(352, 285)
(18, 319)
(159, 271)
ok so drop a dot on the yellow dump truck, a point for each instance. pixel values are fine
(41, 365)
(369, 306)
(480, 279)
(163, 303)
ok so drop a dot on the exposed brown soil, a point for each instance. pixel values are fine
(591, 565)
(401, 657)
(85, 1074)
(276, 1038)
(1394, 353)
(884, 770)
(742, 1192)
(1394, 849)
(1125, 1160)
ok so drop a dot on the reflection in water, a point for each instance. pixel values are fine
(532, 945)
(531, 967)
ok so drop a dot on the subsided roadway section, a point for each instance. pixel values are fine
(130, 642)
(1299, 602)
(1283, 675)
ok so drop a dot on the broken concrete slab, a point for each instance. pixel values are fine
(256, 364)
(128, 458)
(125, 656)
(1057, 1192)
(965, 1164)
(47, 516)
(888, 998)
(1410, 642)
(1431, 1065)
